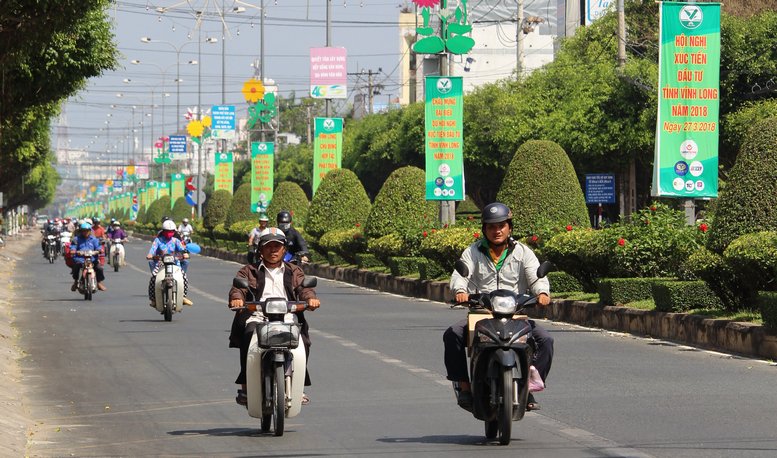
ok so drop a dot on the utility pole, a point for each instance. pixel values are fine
(519, 40)
(629, 181)
(369, 88)
(327, 102)
(447, 207)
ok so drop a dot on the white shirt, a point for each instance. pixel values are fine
(273, 282)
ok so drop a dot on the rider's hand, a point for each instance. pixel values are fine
(461, 296)
(543, 299)
(149, 257)
(186, 255)
(234, 303)
(304, 259)
(313, 304)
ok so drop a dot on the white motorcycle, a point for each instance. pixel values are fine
(117, 253)
(168, 286)
(276, 364)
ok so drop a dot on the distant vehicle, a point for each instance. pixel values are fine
(41, 220)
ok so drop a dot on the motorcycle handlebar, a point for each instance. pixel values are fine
(291, 306)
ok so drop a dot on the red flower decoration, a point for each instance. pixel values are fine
(534, 238)
(434, 230)
(476, 235)
(621, 241)
(445, 226)
(358, 224)
(703, 227)
(569, 227)
(653, 208)
(424, 234)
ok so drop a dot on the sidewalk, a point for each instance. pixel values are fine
(14, 422)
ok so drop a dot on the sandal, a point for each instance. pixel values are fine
(305, 399)
(532, 404)
(242, 398)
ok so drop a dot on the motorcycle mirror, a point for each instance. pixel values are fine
(544, 268)
(309, 282)
(461, 268)
(238, 282)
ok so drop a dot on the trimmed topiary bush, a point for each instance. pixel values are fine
(385, 247)
(767, 303)
(402, 266)
(401, 206)
(345, 242)
(289, 196)
(749, 201)
(340, 203)
(240, 207)
(563, 282)
(181, 210)
(368, 261)
(709, 266)
(542, 190)
(618, 291)
(141, 217)
(445, 246)
(583, 254)
(216, 208)
(681, 296)
(157, 210)
(240, 230)
(753, 257)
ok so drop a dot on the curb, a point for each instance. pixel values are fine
(745, 339)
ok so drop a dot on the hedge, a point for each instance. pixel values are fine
(158, 209)
(216, 208)
(181, 210)
(542, 189)
(681, 296)
(583, 254)
(368, 261)
(431, 270)
(753, 257)
(289, 196)
(720, 277)
(618, 291)
(749, 201)
(402, 266)
(240, 206)
(345, 242)
(767, 303)
(563, 282)
(385, 247)
(445, 246)
(340, 202)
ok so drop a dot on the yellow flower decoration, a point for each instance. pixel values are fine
(253, 90)
(206, 121)
(195, 128)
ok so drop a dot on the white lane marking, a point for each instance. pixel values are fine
(220, 300)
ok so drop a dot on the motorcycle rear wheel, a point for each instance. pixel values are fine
(116, 263)
(504, 415)
(279, 399)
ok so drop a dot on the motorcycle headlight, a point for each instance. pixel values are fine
(168, 259)
(275, 306)
(503, 304)
(484, 338)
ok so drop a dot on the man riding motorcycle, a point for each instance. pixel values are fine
(295, 243)
(166, 243)
(85, 241)
(253, 238)
(117, 233)
(270, 277)
(496, 261)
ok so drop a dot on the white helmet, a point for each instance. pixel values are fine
(271, 234)
(168, 225)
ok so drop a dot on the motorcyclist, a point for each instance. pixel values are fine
(271, 277)
(50, 228)
(85, 241)
(185, 230)
(166, 243)
(117, 234)
(253, 238)
(295, 243)
(494, 262)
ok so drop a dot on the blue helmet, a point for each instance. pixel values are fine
(86, 226)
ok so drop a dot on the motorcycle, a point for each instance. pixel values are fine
(186, 237)
(276, 363)
(64, 239)
(117, 253)
(87, 277)
(168, 286)
(500, 348)
(51, 248)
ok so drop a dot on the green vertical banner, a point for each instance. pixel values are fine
(177, 185)
(262, 161)
(141, 198)
(686, 157)
(163, 189)
(444, 125)
(224, 174)
(327, 148)
(152, 193)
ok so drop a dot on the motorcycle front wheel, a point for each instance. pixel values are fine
(116, 263)
(279, 399)
(168, 310)
(504, 414)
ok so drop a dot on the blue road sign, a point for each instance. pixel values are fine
(600, 188)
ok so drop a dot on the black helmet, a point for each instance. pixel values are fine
(496, 213)
(283, 217)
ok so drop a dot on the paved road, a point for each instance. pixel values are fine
(111, 378)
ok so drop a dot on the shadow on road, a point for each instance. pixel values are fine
(458, 440)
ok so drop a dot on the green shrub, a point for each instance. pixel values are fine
(711, 267)
(431, 270)
(141, 217)
(240, 206)
(221, 235)
(401, 206)
(749, 201)
(340, 202)
(240, 230)
(467, 207)
(444, 246)
(767, 303)
(215, 208)
(289, 196)
(563, 282)
(681, 296)
(402, 266)
(542, 189)
(584, 254)
(335, 259)
(181, 210)
(367, 261)
(385, 247)
(345, 242)
(753, 257)
(157, 210)
(614, 291)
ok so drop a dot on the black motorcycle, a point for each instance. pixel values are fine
(500, 347)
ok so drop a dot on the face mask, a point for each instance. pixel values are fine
(168, 234)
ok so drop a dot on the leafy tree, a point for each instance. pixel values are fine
(294, 163)
(290, 197)
(340, 203)
(542, 190)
